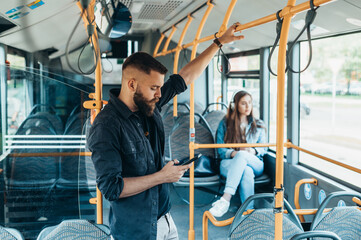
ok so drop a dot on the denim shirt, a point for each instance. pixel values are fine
(258, 137)
(121, 149)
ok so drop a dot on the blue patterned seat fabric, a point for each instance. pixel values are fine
(260, 224)
(214, 118)
(10, 234)
(179, 139)
(344, 221)
(74, 230)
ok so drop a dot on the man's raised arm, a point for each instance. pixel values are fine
(194, 69)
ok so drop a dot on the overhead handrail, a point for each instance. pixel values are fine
(158, 44)
(290, 10)
(166, 44)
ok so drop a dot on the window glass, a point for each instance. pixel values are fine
(244, 63)
(273, 112)
(17, 97)
(330, 105)
(273, 104)
(249, 85)
(217, 80)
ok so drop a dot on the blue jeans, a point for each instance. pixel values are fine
(241, 171)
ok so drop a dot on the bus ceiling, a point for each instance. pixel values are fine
(47, 25)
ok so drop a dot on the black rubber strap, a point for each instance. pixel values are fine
(278, 31)
(310, 17)
(216, 41)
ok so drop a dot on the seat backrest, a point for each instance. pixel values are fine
(39, 171)
(179, 139)
(344, 221)
(10, 234)
(214, 118)
(260, 224)
(76, 172)
(54, 119)
(75, 229)
(37, 121)
(313, 234)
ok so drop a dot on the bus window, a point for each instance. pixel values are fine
(244, 75)
(250, 85)
(329, 88)
(217, 79)
(16, 91)
(273, 110)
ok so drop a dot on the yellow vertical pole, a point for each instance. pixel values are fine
(191, 234)
(98, 89)
(176, 60)
(280, 117)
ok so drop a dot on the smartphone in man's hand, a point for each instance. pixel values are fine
(188, 161)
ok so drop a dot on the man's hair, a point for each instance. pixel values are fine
(144, 62)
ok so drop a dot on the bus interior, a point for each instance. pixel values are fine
(304, 76)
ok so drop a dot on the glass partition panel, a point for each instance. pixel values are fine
(47, 175)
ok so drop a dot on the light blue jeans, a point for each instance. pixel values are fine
(241, 171)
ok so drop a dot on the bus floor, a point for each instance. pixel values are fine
(203, 202)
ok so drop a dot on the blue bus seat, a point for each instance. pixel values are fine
(214, 118)
(75, 229)
(41, 172)
(260, 224)
(76, 172)
(10, 234)
(314, 234)
(344, 221)
(179, 148)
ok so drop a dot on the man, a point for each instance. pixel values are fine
(127, 145)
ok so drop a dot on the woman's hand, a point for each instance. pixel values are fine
(234, 154)
(251, 151)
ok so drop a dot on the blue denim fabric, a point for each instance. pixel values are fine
(241, 170)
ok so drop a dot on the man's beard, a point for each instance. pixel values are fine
(144, 106)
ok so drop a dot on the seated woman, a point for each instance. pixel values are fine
(239, 165)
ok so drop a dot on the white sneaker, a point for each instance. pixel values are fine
(219, 207)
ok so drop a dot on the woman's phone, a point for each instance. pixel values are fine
(188, 161)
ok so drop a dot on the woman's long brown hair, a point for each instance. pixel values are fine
(233, 121)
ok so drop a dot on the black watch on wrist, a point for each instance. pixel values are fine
(217, 42)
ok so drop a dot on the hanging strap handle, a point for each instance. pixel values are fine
(310, 17)
(278, 31)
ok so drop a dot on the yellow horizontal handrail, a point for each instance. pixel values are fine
(233, 145)
(291, 145)
(48, 154)
(357, 200)
(293, 10)
(297, 193)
